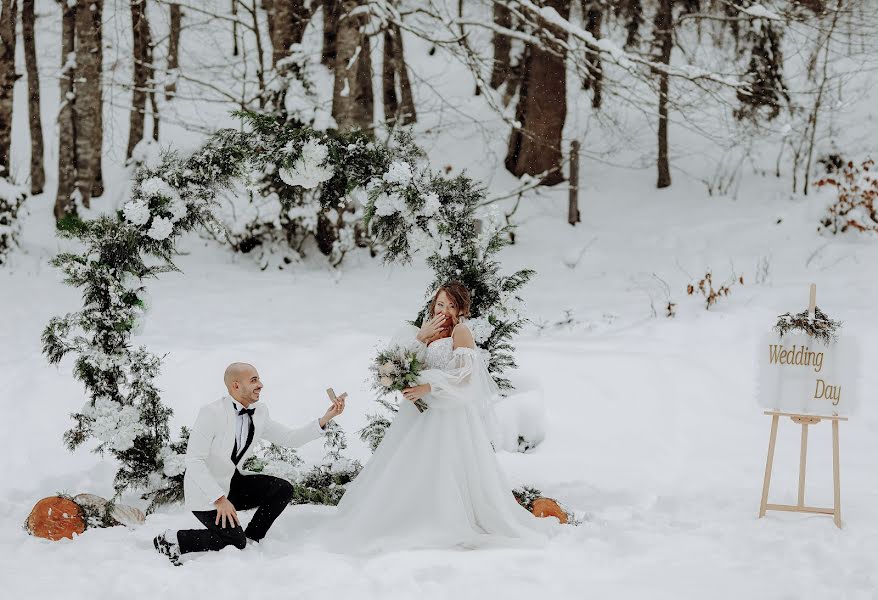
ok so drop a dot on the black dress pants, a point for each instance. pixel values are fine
(269, 495)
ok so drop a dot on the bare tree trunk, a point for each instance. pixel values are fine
(352, 106)
(330, 28)
(407, 102)
(173, 50)
(502, 46)
(139, 26)
(8, 76)
(393, 69)
(288, 19)
(818, 101)
(150, 78)
(37, 168)
(594, 15)
(97, 188)
(365, 97)
(664, 35)
(535, 146)
(64, 203)
(235, 49)
(388, 78)
(268, 7)
(87, 107)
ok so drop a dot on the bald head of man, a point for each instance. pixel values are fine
(242, 381)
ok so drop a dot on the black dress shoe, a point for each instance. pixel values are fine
(165, 546)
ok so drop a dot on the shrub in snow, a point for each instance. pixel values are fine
(855, 206)
(11, 199)
(705, 288)
(323, 483)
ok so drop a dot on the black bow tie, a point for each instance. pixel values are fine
(249, 411)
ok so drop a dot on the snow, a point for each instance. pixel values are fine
(760, 12)
(648, 428)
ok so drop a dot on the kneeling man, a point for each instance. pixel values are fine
(220, 442)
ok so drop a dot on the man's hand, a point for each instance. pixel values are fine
(334, 410)
(417, 392)
(225, 512)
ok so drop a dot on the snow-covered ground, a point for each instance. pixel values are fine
(654, 435)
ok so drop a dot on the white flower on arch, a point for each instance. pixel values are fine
(136, 212)
(161, 229)
(308, 170)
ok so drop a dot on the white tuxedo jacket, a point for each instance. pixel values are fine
(209, 466)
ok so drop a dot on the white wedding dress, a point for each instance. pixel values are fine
(434, 481)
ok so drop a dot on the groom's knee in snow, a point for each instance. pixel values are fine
(236, 537)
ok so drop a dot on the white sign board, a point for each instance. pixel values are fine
(799, 374)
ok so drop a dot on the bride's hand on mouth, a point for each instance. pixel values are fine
(432, 328)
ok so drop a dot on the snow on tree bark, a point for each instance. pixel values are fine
(502, 44)
(352, 98)
(139, 29)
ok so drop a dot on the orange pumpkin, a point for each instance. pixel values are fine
(55, 518)
(546, 507)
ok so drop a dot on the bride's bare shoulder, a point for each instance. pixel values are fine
(462, 336)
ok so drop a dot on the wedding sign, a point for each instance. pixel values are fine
(807, 372)
(801, 374)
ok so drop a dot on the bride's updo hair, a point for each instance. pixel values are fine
(458, 294)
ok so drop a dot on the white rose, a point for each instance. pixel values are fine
(154, 186)
(385, 381)
(431, 205)
(398, 172)
(178, 210)
(386, 368)
(385, 206)
(161, 229)
(136, 212)
(307, 171)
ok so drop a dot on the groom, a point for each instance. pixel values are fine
(214, 487)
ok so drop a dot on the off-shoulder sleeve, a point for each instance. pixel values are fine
(450, 385)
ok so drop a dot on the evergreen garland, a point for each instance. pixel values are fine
(411, 212)
(435, 214)
(119, 252)
(822, 328)
(407, 210)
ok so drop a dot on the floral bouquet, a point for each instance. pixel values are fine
(396, 369)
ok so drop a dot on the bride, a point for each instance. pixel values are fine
(434, 481)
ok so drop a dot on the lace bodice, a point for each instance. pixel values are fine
(439, 353)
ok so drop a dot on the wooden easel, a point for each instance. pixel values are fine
(804, 421)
